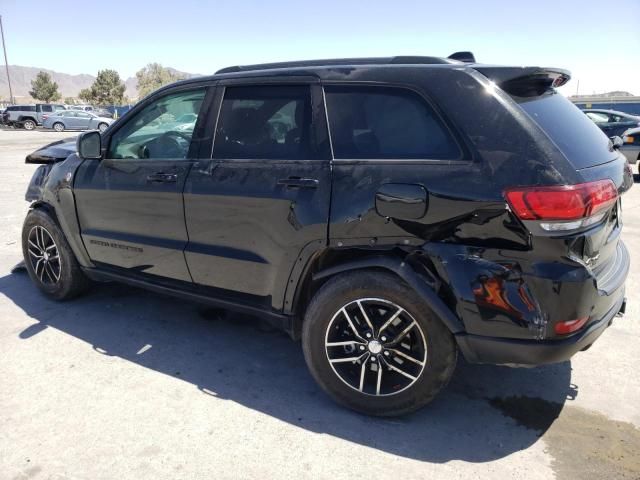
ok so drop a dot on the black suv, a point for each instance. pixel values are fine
(390, 212)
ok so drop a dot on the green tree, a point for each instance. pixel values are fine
(107, 89)
(44, 89)
(85, 95)
(69, 100)
(154, 76)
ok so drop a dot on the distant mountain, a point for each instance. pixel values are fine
(68, 85)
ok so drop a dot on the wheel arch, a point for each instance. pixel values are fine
(24, 118)
(425, 284)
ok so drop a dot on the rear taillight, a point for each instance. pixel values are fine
(628, 139)
(563, 207)
(570, 326)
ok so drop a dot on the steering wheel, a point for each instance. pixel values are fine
(168, 141)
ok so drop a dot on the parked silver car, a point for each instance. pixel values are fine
(76, 120)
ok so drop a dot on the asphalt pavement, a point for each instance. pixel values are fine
(127, 384)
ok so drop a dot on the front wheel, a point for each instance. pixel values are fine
(374, 345)
(48, 258)
(58, 127)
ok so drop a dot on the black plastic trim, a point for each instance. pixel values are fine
(278, 320)
(406, 273)
(502, 351)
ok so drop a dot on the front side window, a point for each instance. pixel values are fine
(264, 122)
(162, 129)
(385, 123)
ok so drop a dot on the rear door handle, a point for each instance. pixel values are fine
(297, 182)
(162, 177)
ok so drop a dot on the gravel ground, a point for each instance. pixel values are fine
(123, 383)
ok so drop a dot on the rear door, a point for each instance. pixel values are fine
(129, 204)
(264, 196)
(70, 119)
(82, 120)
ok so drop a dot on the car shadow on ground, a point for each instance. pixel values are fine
(238, 359)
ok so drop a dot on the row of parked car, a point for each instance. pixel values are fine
(620, 124)
(57, 117)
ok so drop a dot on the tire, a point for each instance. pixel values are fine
(102, 127)
(381, 390)
(49, 259)
(58, 127)
(29, 124)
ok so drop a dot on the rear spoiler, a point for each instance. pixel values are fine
(525, 81)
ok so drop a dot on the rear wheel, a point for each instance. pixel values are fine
(102, 127)
(29, 124)
(375, 346)
(48, 258)
(58, 127)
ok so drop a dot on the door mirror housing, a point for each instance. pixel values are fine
(89, 145)
(616, 142)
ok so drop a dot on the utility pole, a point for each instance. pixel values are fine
(6, 62)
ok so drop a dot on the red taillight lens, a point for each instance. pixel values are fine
(563, 202)
(570, 326)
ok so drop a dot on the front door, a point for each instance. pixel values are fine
(265, 194)
(129, 204)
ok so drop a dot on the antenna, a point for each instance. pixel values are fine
(6, 63)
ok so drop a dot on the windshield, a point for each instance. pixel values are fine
(579, 138)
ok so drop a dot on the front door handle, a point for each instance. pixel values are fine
(162, 177)
(297, 182)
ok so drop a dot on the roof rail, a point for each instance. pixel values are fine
(399, 60)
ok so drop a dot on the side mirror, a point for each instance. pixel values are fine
(89, 145)
(616, 142)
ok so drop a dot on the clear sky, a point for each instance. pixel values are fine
(598, 41)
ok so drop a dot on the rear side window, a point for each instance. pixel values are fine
(265, 122)
(385, 123)
(47, 108)
(577, 137)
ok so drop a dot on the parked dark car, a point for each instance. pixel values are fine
(366, 206)
(612, 122)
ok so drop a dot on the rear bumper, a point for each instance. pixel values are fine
(502, 351)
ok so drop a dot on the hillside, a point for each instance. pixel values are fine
(68, 85)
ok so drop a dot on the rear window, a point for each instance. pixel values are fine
(577, 137)
(385, 123)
